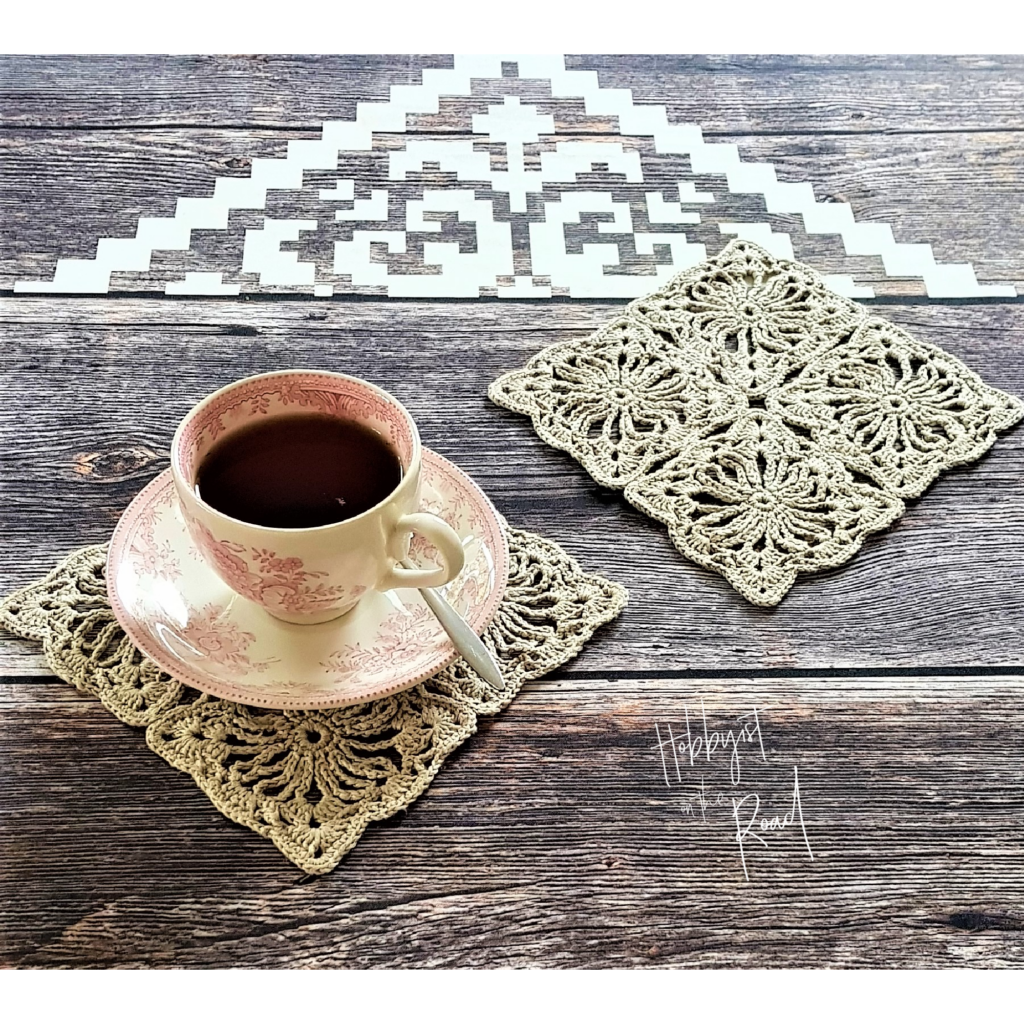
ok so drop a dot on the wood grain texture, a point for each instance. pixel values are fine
(812, 95)
(550, 839)
(753, 93)
(282, 92)
(892, 684)
(63, 190)
(964, 197)
(103, 384)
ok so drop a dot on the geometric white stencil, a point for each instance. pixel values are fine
(514, 207)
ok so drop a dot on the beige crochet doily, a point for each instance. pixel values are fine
(311, 781)
(769, 423)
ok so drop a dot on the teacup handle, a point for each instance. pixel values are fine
(442, 536)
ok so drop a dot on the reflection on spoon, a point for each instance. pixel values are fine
(466, 642)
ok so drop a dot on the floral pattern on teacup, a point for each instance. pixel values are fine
(213, 637)
(335, 396)
(154, 558)
(277, 583)
(403, 636)
(196, 630)
(467, 590)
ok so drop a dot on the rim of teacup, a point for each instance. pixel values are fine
(185, 486)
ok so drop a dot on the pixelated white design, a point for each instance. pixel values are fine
(514, 124)
(461, 273)
(262, 254)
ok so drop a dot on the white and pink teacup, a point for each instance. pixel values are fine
(317, 573)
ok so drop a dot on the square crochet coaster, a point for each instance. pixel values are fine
(768, 422)
(311, 781)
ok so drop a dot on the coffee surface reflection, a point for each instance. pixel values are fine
(298, 471)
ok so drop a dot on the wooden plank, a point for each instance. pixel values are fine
(252, 91)
(65, 190)
(962, 194)
(550, 839)
(759, 93)
(821, 94)
(101, 385)
(823, 63)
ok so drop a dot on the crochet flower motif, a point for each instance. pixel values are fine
(754, 317)
(900, 410)
(771, 424)
(617, 399)
(312, 781)
(760, 504)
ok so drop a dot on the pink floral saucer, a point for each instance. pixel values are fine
(181, 615)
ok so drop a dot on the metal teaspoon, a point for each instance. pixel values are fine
(467, 643)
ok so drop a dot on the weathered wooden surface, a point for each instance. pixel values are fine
(893, 684)
(550, 839)
(931, 146)
(105, 382)
(960, 192)
(724, 94)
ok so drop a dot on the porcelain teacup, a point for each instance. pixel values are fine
(313, 574)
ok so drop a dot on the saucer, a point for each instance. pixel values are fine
(187, 620)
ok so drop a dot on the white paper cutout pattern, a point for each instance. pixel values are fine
(521, 209)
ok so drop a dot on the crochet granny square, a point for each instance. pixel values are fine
(768, 422)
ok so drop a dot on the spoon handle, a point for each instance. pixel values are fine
(466, 642)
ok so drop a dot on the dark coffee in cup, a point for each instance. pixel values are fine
(298, 470)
